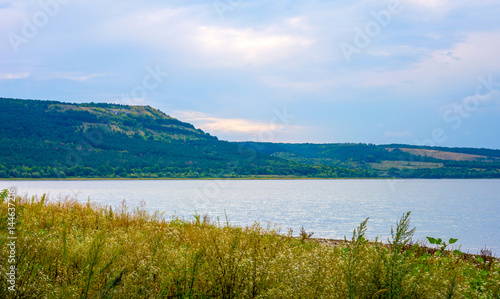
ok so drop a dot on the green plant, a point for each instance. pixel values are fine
(93, 259)
(352, 254)
(396, 263)
(3, 195)
(303, 235)
(442, 245)
(403, 233)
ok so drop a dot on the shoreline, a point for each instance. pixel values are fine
(232, 179)
(338, 242)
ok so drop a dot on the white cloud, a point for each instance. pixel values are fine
(11, 15)
(76, 76)
(430, 3)
(198, 42)
(298, 85)
(439, 8)
(473, 103)
(476, 55)
(405, 133)
(238, 129)
(163, 28)
(229, 47)
(224, 125)
(10, 76)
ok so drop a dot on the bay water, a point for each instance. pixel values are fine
(468, 210)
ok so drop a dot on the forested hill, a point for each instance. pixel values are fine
(49, 139)
(391, 160)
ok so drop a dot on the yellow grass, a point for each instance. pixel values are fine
(67, 249)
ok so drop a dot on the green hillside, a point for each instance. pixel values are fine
(393, 160)
(49, 139)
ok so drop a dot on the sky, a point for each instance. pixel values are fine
(424, 72)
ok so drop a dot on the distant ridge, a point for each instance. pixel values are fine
(52, 139)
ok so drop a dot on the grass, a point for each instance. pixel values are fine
(67, 249)
(386, 165)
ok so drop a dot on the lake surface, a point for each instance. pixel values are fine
(465, 209)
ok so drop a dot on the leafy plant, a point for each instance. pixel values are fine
(3, 195)
(442, 245)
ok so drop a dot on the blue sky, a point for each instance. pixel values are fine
(409, 71)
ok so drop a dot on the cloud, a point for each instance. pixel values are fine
(10, 76)
(442, 7)
(473, 103)
(75, 76)
(229, 47)
(188, 33)
(475, 55)
(238, 129)
(10, 16)
(224, 125)
(432, 5)
(429, 3)
(405, 133)
(297, 85)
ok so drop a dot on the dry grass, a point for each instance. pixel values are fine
(67, 249)
(442, 154)
(386, 165)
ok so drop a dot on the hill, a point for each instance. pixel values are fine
(50, 139)
(393, 160)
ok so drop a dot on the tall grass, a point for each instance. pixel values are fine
(68, 249)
